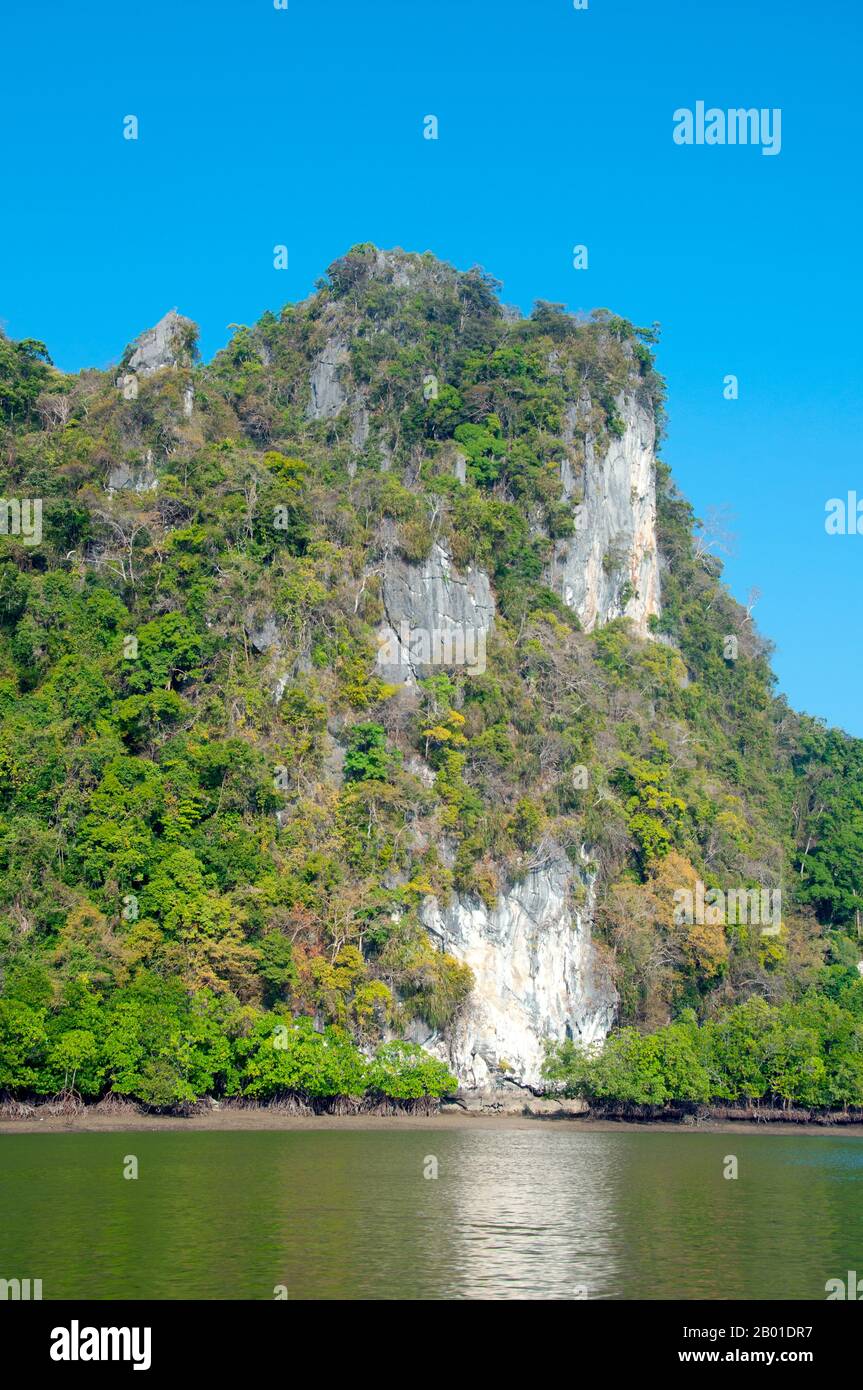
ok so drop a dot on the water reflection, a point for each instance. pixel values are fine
(512, 1214)
(531, 1215)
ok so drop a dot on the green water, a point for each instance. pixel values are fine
(349, 1214)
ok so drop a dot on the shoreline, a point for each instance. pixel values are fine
(249, 1120)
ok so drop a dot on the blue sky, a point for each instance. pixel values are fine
(304, 127)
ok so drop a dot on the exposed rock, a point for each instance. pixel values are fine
(395, 266)
(511, 1100)
(169, 344)
(134, 477)
(328, 396)
(128, 384)
(473, 1104)
(266, 636)
(333, 762)
(435, 616)
(575, 1105)
(359, 424)
(609, 567)
(496, 1103)
(418, 767)
(536, 973)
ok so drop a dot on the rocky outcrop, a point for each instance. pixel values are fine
(134, 477)
(359, 424)
(265, 635)
(537, 975)
(512, 1100)
(435, 616)
(609, 567)
(169, 344)
(328, 395)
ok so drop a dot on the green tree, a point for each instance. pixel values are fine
(367, 757)
(405, 1071)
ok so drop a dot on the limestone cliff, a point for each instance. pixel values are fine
(169, 344)
(609, 567)
(327, 395)
(435, 616)
(537, 974)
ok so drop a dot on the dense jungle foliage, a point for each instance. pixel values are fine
(806, 1054)
(208, 834)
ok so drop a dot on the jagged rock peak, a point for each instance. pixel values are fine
(400, 269)
(171, 343)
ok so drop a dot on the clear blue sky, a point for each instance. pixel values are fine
(304, 127)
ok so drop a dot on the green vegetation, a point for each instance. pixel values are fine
(216, 818)
(156, 1045)
(808, 1054)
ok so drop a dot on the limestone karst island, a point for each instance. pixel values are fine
(378, 735)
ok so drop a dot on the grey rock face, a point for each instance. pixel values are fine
(434, 616)
(399, 269)
(359, 424)
(536, 975)
(266, 636)
(128, 384)
(328, 396)
(609, 568)
(134, 477)
(162, 346)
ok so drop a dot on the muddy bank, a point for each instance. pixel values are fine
(472, 1112)
(691, 1115)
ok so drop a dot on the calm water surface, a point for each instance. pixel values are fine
(349, 1214)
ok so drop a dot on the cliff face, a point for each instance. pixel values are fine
(533, 962)
(536, 971)
(170, 343)
(609, 567)
(389, 561)
(327, 396)
(537, 977)
(435, 616)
